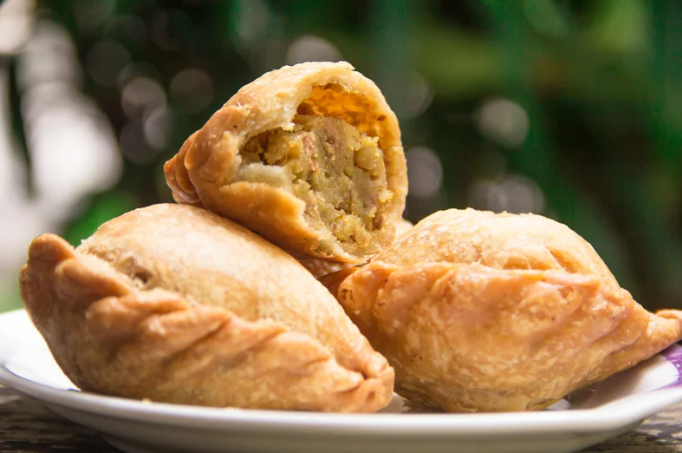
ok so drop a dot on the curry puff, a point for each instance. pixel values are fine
(176, 304)
(309, 156)
(498, 312)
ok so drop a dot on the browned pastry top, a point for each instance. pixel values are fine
(502, 241)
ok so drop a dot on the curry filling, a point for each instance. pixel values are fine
(336, 170)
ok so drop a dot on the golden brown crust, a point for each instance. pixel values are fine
(403, 227)
(320, 267)
(502, 241)
(484, 312)
(205, 169)
(177, 178)
(163, 303)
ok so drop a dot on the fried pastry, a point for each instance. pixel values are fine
(320, 267)
(309, 156)
(403, 226)
(176, 304)
(498, 312)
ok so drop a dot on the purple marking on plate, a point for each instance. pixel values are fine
(674, 355)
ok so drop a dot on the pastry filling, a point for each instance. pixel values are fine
(337, 170)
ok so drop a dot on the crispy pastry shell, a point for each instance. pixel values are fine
(176, 304)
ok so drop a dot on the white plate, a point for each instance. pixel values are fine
(585, 418)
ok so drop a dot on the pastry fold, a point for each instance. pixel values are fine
(176, 304)
(497, 312)
(309, 156)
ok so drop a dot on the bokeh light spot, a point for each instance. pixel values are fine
(53, 57)
(416, 97)
(424, 172)
(514, 193)
(133, 144)
(252, 21)
(16, 23)
(135, 70)
(311, 48)
(140, 96)
(157, 127)
(193, 89)
(503, 122)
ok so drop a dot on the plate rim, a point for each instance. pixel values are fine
(611, 416)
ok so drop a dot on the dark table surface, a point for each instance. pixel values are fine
(26, 425)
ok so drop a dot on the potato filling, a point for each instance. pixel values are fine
(338, 171)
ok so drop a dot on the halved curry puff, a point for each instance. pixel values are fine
(309, 156)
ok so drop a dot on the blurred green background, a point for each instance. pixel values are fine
(571, 109)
